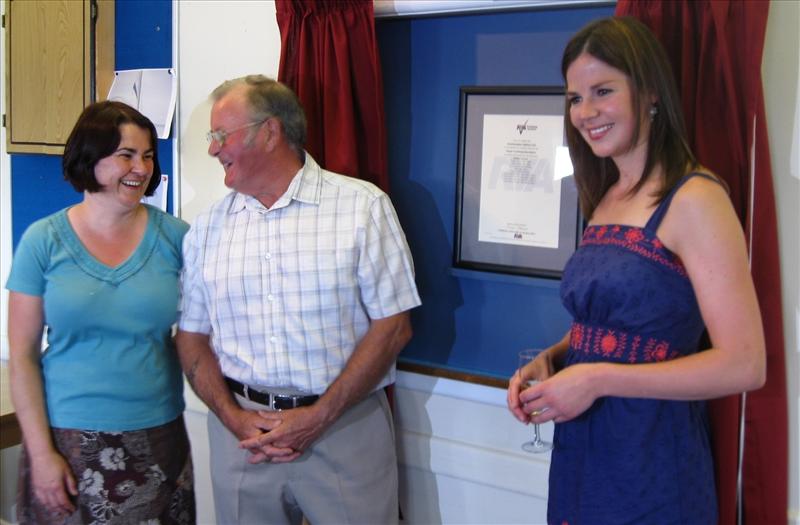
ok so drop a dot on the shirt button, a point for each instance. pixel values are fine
(270, 297)
(273, 339)
(268, 256)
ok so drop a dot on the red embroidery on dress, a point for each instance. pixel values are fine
(623, 341)
(588, 341)
(648, 349)
(608, 344)
(576, 336)
(634, 236)
(634, 240)
(635, 348)
(614, 344)
(660, 352)
(596, 341)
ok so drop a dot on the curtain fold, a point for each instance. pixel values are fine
(329, 57)
(716, 47)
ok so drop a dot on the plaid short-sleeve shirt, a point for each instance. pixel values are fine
(287, 292)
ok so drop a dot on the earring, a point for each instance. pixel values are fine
(653, 112)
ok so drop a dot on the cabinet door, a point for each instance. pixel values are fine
(50, 70)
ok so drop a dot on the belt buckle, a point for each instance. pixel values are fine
(290, 398)
(272, 402)
(246, 391)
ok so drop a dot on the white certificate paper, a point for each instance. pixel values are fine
(520, 200)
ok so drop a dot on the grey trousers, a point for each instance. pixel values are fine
(348, 477)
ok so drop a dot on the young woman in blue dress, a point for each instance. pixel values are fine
(662, 258)
(101, 408)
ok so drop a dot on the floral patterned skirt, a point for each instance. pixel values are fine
(132, 477)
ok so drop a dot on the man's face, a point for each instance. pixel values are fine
(241, 153)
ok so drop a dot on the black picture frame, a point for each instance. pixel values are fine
(511, 257)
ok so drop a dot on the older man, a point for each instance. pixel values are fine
(296, 291)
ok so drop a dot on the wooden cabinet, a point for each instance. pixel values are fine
(59, 59)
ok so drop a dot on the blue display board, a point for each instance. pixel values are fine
(470, 322)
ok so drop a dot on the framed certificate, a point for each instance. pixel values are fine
(517, 205)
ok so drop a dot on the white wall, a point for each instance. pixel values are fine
(781, 77)
(217, 41)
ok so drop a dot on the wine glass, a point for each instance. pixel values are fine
(537, 445)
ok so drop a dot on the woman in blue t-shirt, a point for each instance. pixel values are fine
(101, 407)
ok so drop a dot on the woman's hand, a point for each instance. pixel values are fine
(53, 482)
(563, 396)
(539, 369)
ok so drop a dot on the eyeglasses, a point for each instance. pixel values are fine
(221, 135)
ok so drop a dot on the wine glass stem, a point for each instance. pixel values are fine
(537, 437)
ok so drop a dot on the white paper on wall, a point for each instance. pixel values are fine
(159, 198)
(152, 91)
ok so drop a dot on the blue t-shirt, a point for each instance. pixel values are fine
(110, 363)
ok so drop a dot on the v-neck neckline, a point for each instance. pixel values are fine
(89, 263)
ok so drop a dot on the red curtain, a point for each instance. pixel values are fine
(329, 57)
(715, 48)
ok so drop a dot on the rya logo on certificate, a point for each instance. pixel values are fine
(525, 126)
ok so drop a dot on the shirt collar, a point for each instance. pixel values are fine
(307, 184)
(306, 187)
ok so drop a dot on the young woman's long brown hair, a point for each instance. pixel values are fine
(628, 45)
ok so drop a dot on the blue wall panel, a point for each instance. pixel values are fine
(143, 39)
(469, 321)
(143, 34)
(38, 189)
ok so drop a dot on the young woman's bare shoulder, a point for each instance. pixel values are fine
(701, 194)
(701, 207)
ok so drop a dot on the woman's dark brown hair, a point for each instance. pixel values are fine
(95, 136)
(626, 44)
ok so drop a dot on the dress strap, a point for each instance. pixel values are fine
(658, 215)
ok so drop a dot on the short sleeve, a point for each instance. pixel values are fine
(385, 268)
(30, 261)
(173, 230)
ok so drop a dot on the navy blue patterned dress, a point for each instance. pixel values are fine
(626, 460)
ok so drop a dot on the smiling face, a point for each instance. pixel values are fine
(124, 175)
(602, 110)
(242, 153)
